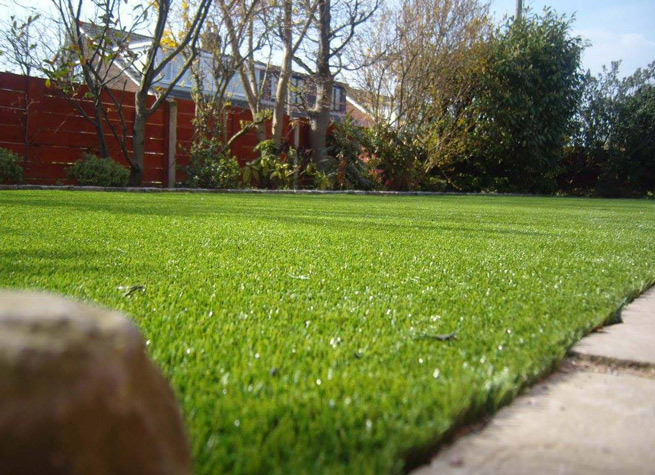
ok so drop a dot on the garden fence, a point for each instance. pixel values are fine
(44, 127)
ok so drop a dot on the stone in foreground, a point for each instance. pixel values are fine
(574, 423)
(79, 395)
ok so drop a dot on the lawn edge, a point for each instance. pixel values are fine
(257, 191)
(475, 419)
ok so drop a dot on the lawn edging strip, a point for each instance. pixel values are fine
(153, 189)
(595, 414)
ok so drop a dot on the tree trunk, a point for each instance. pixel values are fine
(102, 141)
(260, 132)
(139, 142)
(320, 117)
(319, 124)
(281, 93)
(279, 109)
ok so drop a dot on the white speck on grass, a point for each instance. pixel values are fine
(318, 382)
(369, 424)
(237, 422)
(436, 373)
(420, 361)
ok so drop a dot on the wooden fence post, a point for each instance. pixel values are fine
(34, 93)
(172, 142)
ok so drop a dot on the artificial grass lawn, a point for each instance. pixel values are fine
(298, 331)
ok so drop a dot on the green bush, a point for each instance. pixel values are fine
(273, 169)
(509, 134)
(209, 168)
(208, 171)
(612, 151)
(11, 170)
(96, 171)
(347, 147)
(398, 156)
(434, 184)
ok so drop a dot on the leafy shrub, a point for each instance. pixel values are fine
(11, 170)
(272, 169)
(433, 183)
(209, 169)
(529, 93)
(96, 171)
(321, 180)
(397, 156)
(347, 145)
(612, 150)
(508, 131)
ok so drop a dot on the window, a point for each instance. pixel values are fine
(297, 85)
(338, 99)
(273, 81)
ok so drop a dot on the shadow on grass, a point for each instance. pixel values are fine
(276, 215)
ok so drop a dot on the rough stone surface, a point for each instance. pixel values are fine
(632, 341)
(79, 395)
(575, 423)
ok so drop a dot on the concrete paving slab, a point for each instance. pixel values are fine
(632, 341)
(578, 422)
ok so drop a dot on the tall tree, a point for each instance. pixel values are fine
(154, 60)
(94, 55)
(291, 28)
(423, 48)
(215, 78)
(27, 39)
(520, 114)
(334, 26)
(612, 151)
(247, 35)
(101, 51)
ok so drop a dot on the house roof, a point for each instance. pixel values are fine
(180, 91)
(92, 30)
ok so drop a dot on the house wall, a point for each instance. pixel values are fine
(360, 118)
(42, 125)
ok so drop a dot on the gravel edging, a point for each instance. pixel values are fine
(257, 191)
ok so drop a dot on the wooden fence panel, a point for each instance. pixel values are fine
(47, 129)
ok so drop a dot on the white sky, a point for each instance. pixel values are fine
(617, 29)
